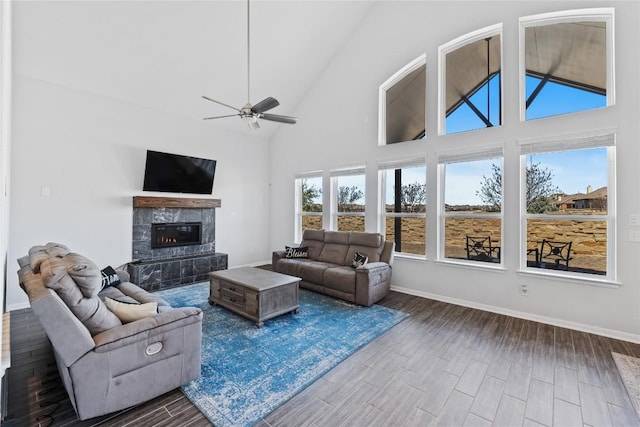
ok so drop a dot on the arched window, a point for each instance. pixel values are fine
(470, 81)
(566, 62)
(402, 104)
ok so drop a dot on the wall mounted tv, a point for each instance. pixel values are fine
(174, 173)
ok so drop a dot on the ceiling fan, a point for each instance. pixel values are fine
(251, 113)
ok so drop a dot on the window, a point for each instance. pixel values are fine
(470, 82)
(308, 204)
(471, 206)
(403, 195)
(348, 200)
(568, 200)
(567, 62)
(403, 104)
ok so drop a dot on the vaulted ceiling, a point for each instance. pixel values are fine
(165, 55)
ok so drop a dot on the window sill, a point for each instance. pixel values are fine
(572, 278)
(472, 264)
(409, 257)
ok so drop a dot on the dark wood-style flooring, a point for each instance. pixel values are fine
(445, 365)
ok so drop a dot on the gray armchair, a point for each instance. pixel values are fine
(106, 365)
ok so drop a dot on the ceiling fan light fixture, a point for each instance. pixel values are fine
(253, 125)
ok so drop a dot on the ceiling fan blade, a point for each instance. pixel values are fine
(220, 117)
(221, 103)
(265, 105)
(278, 118)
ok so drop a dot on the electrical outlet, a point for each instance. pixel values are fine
(524, 289)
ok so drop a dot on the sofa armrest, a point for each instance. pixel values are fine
(277, 255)
(373, 281)
(372, 267)
(146, 328)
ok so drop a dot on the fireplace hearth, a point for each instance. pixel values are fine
(166, 235)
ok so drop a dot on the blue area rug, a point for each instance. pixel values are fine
(247, 372)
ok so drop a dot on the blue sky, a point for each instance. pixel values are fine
(572, 171)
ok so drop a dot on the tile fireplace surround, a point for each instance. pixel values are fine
(161, 268)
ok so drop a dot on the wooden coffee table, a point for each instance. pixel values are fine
(254, 293)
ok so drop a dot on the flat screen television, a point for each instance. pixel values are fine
(174, 173)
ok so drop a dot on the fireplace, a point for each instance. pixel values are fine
(166, 235)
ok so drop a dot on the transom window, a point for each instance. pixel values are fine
(470, 92)
(403, 205)
(567, 62)
(403, 104)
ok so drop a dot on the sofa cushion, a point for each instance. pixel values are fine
(336, 237)
(314, 240)
(289, 265)
(312, 271)
(334, 253)
(340, 278)
(85, 273)
(63, 274)
(127, 312)
(365, 239)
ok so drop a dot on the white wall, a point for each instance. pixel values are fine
(338, 127)
(90, 152)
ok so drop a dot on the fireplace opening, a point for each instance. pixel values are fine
(176, 234)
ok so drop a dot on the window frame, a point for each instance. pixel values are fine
(444, 158)
(578, 141)
(335, 174)
(299, 213)
(382, 96)
(383, 169)
(604, 14)
(443, 50)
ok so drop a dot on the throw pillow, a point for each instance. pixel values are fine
(359, 260)
(131, 312)
(109, 277)
(301, 252)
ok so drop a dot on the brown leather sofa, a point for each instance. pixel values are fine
(327, 268)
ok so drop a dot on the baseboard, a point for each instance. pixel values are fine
(18, 306)
(253, 264)
(609, 333)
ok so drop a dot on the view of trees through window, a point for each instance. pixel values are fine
(567, 210)
(350, 202)
(472, 210)
(405, 194)
(311, 200)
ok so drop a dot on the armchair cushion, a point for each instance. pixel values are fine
(130, 312)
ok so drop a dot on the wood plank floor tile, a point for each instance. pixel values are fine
(540, 403)
(510, 412)
(566, 414)
(488, 398)
(544, 354)
(472, 377)
(445, 364)
(595, 408)
(566, 385)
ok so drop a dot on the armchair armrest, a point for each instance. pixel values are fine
(145, 328)
(123, 275)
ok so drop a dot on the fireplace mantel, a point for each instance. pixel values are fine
(174, 202)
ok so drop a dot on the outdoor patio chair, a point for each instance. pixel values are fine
(481, 249)
(554, 255)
